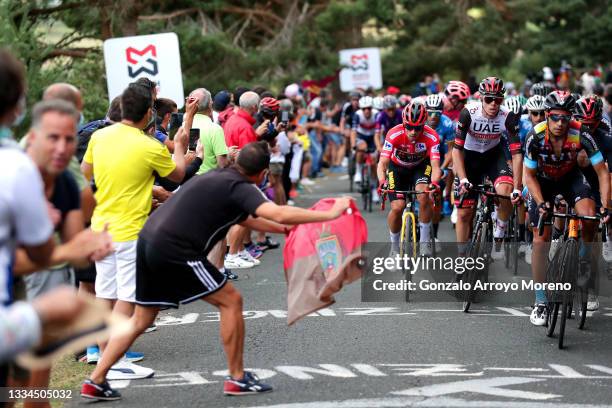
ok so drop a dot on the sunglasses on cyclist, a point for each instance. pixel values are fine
(490, 99)
(434, 114)
(559, 117)
(410, 127)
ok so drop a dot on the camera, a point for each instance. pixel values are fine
(194, 136)
(176, 120)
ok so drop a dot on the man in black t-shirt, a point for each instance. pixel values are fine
(172, 266)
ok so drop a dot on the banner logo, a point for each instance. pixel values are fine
(140, 65)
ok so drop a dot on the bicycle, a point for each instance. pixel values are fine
(481, 243)
(563, 269)
(512, 241)
(409, 233)
(366, 179)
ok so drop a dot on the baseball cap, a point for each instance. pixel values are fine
(221, 100)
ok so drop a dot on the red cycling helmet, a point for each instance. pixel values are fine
(589, 109)
(559, 100)
(492, 86)
(269, 105)
(458, 89)
(414, 114)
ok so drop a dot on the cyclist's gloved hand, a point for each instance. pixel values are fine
(444, 172)
(515, 197)
(382, 185)
(434, 190)
(545, 209)
(464, 186)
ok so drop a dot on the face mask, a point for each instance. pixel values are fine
(5, 133)
(81, 120)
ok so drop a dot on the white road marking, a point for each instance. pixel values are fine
(262, 373)
(516, 369)
(302, 373)
(489, 386)
(392, 402)
(368, 370)
(180, 379)
(601, 368)
(512, 311)
(566, 371)
(167, 320)
(433, 370)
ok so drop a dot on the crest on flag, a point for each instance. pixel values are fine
(329, 252)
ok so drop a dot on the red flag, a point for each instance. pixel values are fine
(314, 85)
(320, 258)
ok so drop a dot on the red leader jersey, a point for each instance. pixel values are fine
(410, 154)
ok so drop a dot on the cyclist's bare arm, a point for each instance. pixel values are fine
(448, 158)
(603, 177)
(533, 185)
(377, 141)
(383, 166)
(517, 170)
(458, 163)
(353, 138)
(436, 173)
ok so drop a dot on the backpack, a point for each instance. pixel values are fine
(84, 135)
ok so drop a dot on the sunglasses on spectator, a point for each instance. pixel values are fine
(490, 99)
(559, 117)
(410, 127)
(537, 113)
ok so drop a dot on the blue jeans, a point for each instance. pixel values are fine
(316, 151)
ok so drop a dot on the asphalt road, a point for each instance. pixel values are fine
(357, 354)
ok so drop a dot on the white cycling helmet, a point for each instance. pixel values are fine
(378, 103)
(390, 102)
(434, 102)
(365, 102)
(513, 104)
(535, 103)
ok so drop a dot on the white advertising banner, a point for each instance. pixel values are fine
(362, 69)
(155, 56)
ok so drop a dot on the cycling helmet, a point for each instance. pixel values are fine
(269, 105)
(404, 100)
(458, 89)
(354, 95)
(389, 102)
(535, 103)
(491, 86)
(513, 104)
(589, 109)
(414, 114)
(434, 102)
(365, 102)
(541, 88)
(561, 100)
(377, 102)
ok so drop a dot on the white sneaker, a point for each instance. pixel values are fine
(124, 370)
(357, 179)
(497, 254)
(233, 261)
(528, 252)
(344, 162)
(522, 248)
(375, 196)
(607, 250)
(454, 215)
(592, 303)
(306, 182)
(539, 315)
(554, 245)
(244, 254)
(425, 248)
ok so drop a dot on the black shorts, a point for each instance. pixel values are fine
(87, 274)
(369, 141)
(573, 187)
(479, 166)
(401, 178)
(166, 281)
(591, 177)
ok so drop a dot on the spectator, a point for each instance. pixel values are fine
(313, 127)
(66, 92)
(124, 196)
(113, 115)
(164, 108)
(239, 127)
(222, 107)
(211, 134)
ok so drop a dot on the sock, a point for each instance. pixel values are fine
(435, 228)
(540, 296)
(500, 228)
(358, 167)
(522, 232)
(556, 234)
(395, 238)
(425, 231)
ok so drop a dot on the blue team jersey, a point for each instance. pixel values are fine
(446, 131)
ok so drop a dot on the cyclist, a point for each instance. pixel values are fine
(589, 111)
(362, 137)
(551, 157)
(535, 115)
(389, 117)
(445, 129)
(410, 158)
(541, 88)
(457, 94)
(478, 153)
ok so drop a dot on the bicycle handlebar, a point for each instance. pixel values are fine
(407, 192)
(567, 216)
(480, 189)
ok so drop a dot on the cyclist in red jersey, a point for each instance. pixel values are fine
(410, 159)
(457, 94)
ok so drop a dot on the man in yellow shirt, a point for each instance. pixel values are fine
(122, 160)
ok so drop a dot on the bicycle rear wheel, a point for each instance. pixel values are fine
(565, 310)
(516, 240)
(551, 321)
(581, 309)
(476, 249)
